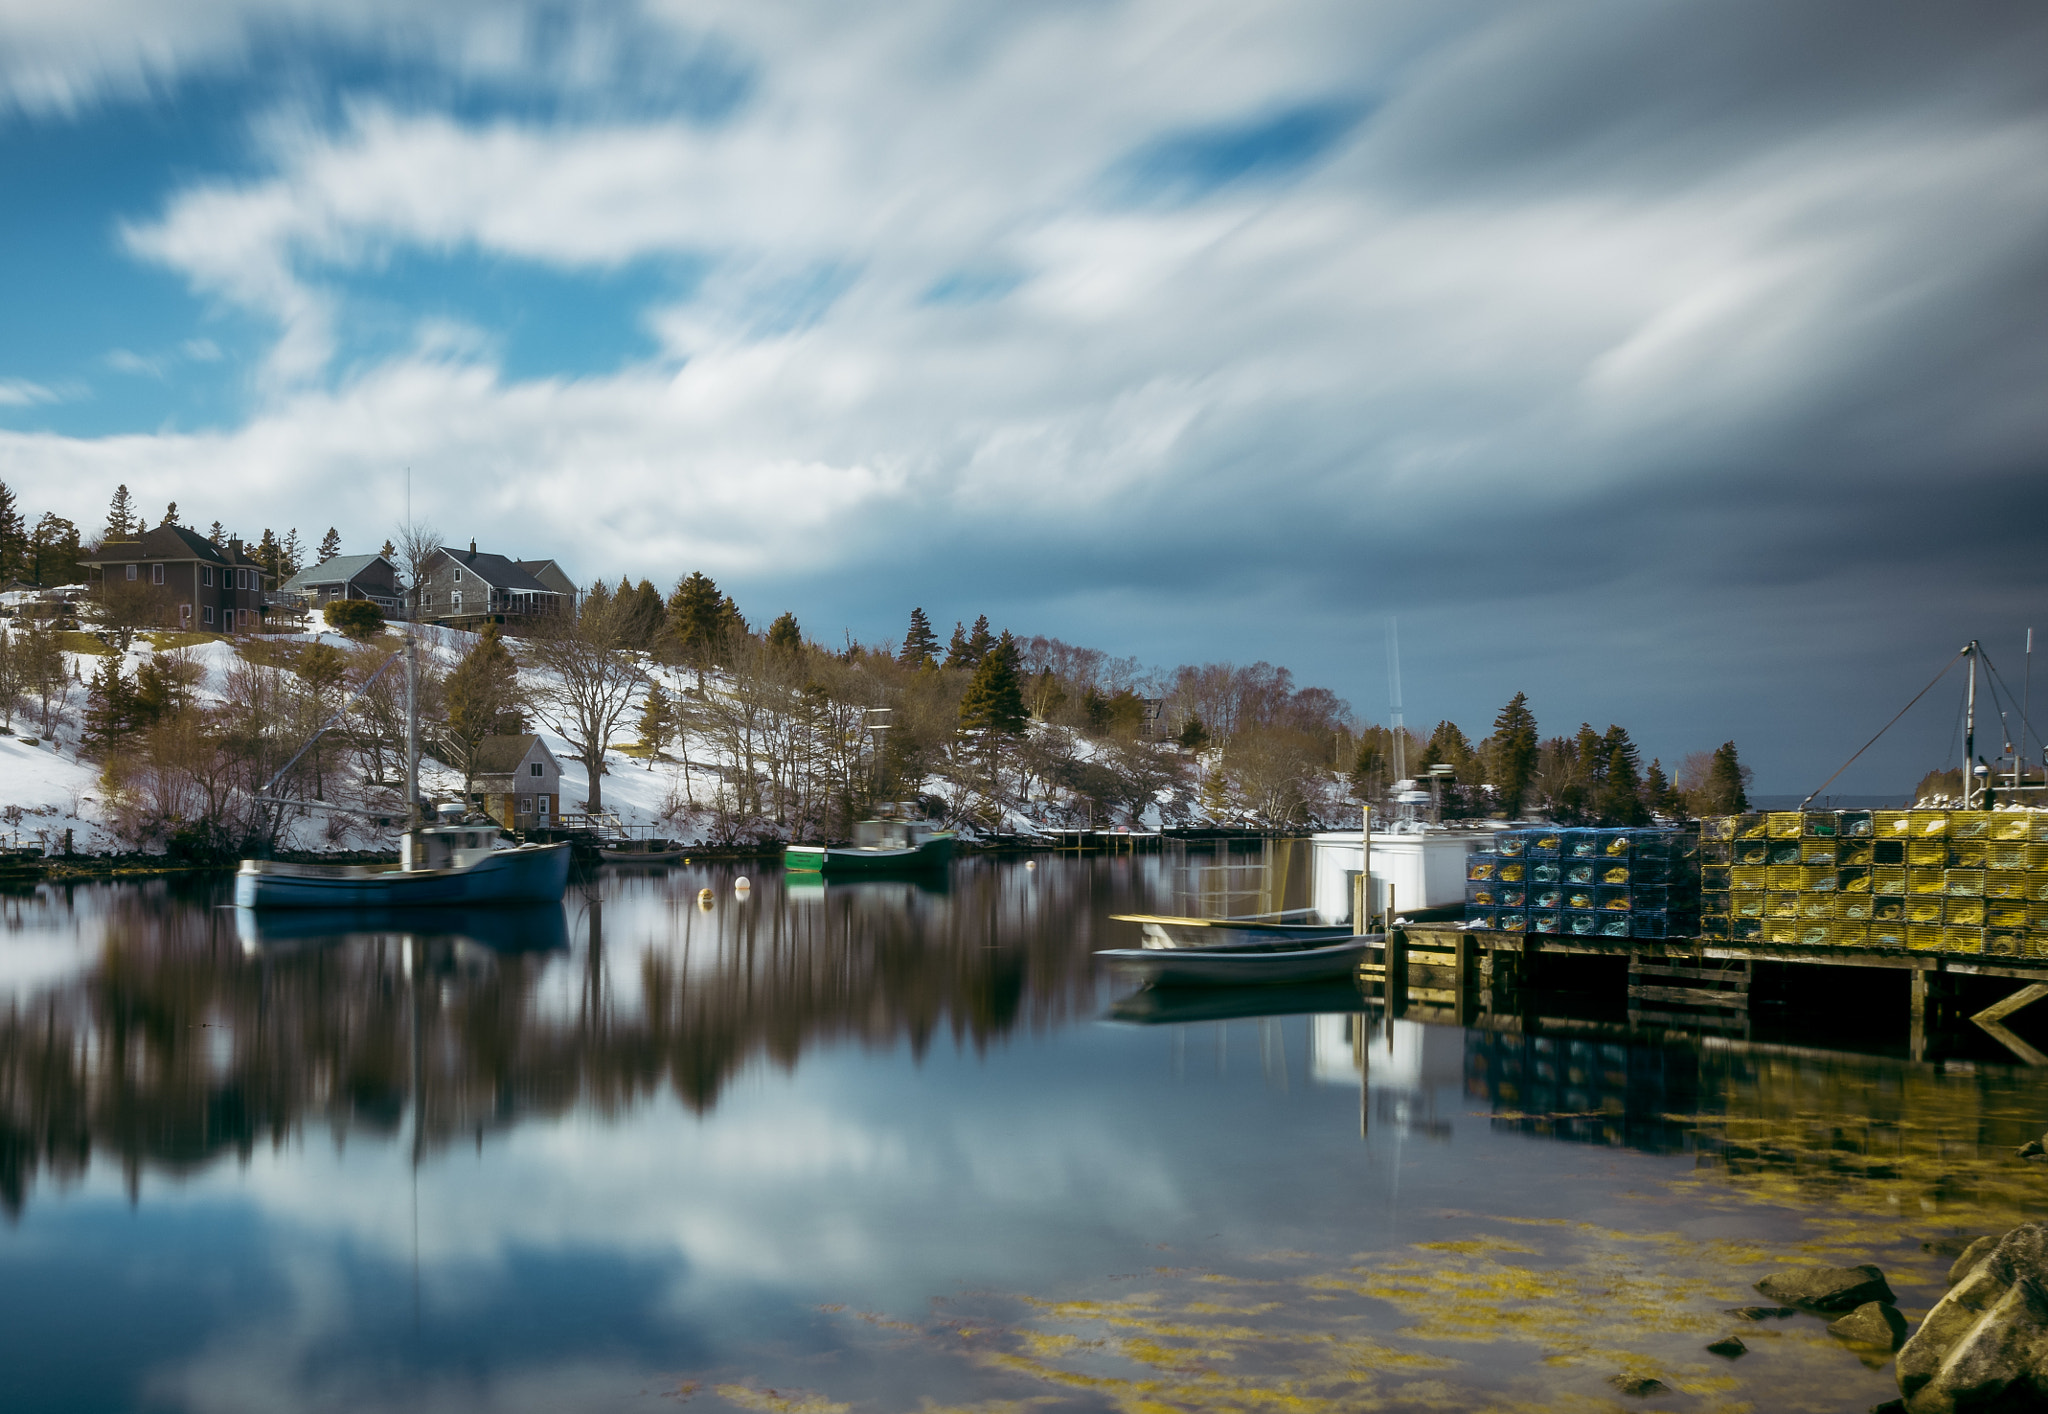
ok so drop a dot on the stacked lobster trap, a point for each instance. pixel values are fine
(1614, 883)
(1966, 881)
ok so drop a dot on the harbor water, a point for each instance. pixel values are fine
(904, 1145)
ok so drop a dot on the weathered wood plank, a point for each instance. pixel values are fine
(1725, 1000)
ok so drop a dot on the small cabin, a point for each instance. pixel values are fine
(518, 782)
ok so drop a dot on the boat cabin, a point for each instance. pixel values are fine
(453, 842)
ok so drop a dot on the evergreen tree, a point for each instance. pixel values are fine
(122, 522)
(1620, 798)
(389, 551)
(920, 645)
(979, 642)
(269, 554)
(1447, 746)
(290, 555)
(1192, 735)
(14, 548)
(697, 619)
(1514, 753)
(657, 722)
(217, 534)
(784, 635)
(330, 545)
(53, 552)
(109, 708)
(1724, 790)
(956, 650)
(1657, 794)
(993, 704)
(170, 515)
(483, 699)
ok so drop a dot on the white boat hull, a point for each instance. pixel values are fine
(1211, 967)
(532, 873)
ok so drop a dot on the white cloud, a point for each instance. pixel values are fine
(20, 393)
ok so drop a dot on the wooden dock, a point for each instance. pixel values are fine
(1693, 985)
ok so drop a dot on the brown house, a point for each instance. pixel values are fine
(518, 782)
(468, 589)
(203, 585)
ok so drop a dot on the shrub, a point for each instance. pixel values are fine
(357, 618)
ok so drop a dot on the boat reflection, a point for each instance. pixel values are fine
(503, 928)
(1171, 1006)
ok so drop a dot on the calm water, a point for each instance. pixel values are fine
(887, 1147)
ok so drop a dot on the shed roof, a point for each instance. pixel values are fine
(339, 570)
(501, 755)
(496, 571)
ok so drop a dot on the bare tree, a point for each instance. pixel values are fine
(124, 607)
(418, 542)
(589, 687)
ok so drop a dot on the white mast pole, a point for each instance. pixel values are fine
(1970, 733)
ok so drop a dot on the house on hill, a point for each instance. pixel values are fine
(370, 577)
(518, 782)
(468, 589)
(199, 585)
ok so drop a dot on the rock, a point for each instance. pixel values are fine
(1762, 1313)
(2040, 1158)
(1872, 1323)
(1947, 1246)
(1985, 1345)
(1890, 1406)
(1973, 1254)
(1827, 1288)
(1728, 1347)
(1641, 1386)
(2030, 1148)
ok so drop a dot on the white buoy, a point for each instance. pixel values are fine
(1030, 864)
(741, 885)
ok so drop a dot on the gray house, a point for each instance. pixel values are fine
(518, 782)
(468, 589)
(370, 577)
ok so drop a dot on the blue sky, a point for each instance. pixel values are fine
(1679, 365)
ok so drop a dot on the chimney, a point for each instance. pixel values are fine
(472, 549)
(234, 547)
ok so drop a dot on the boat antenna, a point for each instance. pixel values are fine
(1394, 689)
(1892, 723)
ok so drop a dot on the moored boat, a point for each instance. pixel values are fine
(1170, 931)
(890, 844)
(1236, 967)
(454, 862)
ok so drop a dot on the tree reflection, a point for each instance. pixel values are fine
(186, 1041)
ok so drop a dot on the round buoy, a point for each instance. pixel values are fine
(704, 896)
(741, 886)
(1030, 864)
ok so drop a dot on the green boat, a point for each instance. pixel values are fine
(894, 844)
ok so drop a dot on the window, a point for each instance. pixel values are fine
(156, 574)
(206, 614)
(534, 768)
(131, 571)
(525, 805)
(458, 576)
(245, 617)
(185, 615)
(206, 574)
(248, 579)
(457, 598)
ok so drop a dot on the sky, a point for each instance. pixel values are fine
(1681, 365)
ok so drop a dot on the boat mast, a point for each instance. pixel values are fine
(412, 730)
(1970, 731)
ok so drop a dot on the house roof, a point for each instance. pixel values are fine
(501, 755)
(170, 542)
(497, 571)
(339, 570)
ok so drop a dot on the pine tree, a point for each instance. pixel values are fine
(109, 707)
(389, 551)
(657, 722)
(1657, 794)
(170, 515)
(122, 522)
(1513, 752)
(291, 555)
(956, 650)
(993, 704)
(330, 545)
(697, 619)
(1193, 736)
(979, 642)
(54, 552)
(784, 635)
(1620, 799)
(920, 645)
(1724, 789)
(14, 556)
(217, 534)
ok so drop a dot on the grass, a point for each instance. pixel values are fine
(77, 641)
(164, 642)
